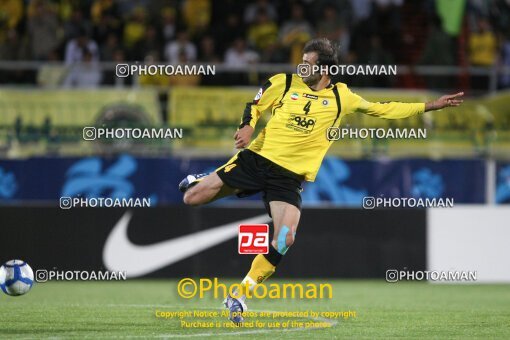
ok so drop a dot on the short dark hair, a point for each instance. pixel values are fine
(326, 50)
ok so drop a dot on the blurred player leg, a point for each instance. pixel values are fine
(208, 189)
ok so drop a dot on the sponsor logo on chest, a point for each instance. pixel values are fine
(310, 96)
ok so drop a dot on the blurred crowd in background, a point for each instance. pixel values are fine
(238, 33)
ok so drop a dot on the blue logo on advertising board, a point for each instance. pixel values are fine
(8, 184)
(503, 186)
(427, 184)
(87, 178)
(330, 185)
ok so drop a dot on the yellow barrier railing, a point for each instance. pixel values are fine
(210, 117)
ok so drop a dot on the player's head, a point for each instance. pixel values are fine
(322, 52)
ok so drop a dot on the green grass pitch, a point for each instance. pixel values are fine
(100, 310)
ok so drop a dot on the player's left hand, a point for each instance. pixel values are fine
(445, 101)
(242, 136)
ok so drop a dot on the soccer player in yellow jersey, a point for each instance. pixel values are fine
(289, 150)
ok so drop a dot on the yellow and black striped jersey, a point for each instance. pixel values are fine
(295, 136)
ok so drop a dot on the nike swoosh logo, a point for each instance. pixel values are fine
(120, 254)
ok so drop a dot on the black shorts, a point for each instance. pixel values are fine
(252, 173)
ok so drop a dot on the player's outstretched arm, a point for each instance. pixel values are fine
(445, 101)
(399, 110)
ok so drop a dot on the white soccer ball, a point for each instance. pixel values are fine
(16, 277)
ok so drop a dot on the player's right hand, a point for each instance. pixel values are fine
(242, 136)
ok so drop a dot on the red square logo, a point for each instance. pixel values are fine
(253, 239)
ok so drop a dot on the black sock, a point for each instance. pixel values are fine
(274, 257)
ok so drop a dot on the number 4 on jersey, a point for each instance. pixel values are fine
(306, 108)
